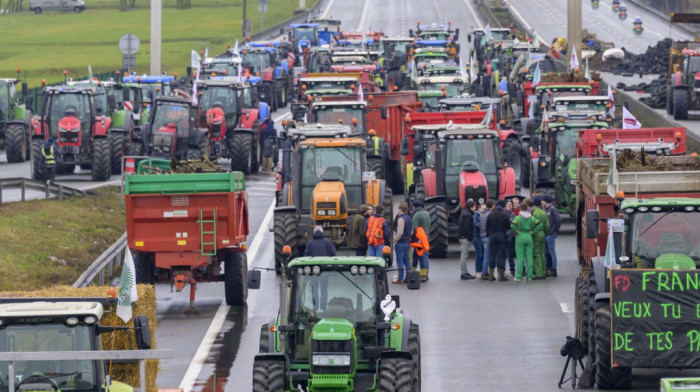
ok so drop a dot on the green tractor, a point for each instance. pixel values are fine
(15, 121)
(339, 330)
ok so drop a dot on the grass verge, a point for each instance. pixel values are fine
(51, 242)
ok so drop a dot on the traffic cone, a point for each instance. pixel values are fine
(129, 166)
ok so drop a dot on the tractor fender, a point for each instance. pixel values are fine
(286, 209)
(248, 118)
(263, 110)
(102, 126)
(20, 115)
(405, 329)
(506, 182)
(243, 130)
(535, 162)
(506, 134)
(677, 79)
(119, 119)
(38, 127)
(272, 357)
(434, 199)
(196, 136)
(287, 196)
(396, 354)
(598, 265)
(602, 297)
(271, 337)
(429, 182)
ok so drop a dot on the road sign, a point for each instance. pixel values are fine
(128, 61)
(129, 44)
(262, 6)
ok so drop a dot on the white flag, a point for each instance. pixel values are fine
(611, 101)
(487, 120)
(363, 41)
(360, 93)
(612, 173)
(236, 50)
(533, 101)
(127, 288)
(537, 77)
(487, 33)
(462, 70)
(195, 100)
(588, 72)
(473, 69)
(610, 248)
(573, 62)
(195, 60)
(206, 53)
(628, 120)
(536, 42)
(240, 73)
(545, 116)
(90, 74)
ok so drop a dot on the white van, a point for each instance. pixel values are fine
(38, 6)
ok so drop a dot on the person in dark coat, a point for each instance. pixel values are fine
(466, 233)
(497, 227)
(267, 142)
(320, 245)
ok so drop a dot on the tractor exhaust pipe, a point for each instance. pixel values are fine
(439, 171)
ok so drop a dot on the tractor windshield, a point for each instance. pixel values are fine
(175, 113)
(349, 60)
(331, 115)
(565, 139)
(153, 90)
(305, 33)
(220, 68)
(341, 163)
(692, 64)
(478, 153)
(73, 104)
(77, 375)
(223, 96)
(4, 100)
(452, 89)
(654, 234)
(333, 294)
(255, 62)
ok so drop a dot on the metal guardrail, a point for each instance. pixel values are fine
(104, 266)
(57, 190)
(140, 355)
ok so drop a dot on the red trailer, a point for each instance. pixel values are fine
(181, 228)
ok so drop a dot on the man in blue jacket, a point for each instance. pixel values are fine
(319, 245)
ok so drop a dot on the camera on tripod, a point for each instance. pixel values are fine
(572, 348)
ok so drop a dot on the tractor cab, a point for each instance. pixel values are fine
(395, 52)
(480, 41)
(151, 86)
(256, 60)
(304, 36)
(328, 28)
(319, 59)
(220, 66)
(326, 86)
(220, 106)
(431, 89)
(467, 103)
(172, 131)
(343, 112)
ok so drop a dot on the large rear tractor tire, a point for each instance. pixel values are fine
(101, 160)
(420, 192)
(118, 149)
(16, 143)
(606, 376)
(388, 204)
(680, 104)
(377, 166)
(395, 375)
(264, 345)
(395, 177)
(513, 158)
(438, 236)
(235, 274)
(581, 309)
(268, 376)
(414, 348)
(241, 150)
(285, 234)
(669, 100)
(38, 172)
(145, 268)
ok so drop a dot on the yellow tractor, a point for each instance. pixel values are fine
(324, 180)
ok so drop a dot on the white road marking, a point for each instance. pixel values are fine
(218, 321)
(330, 5)
(363, 18)
(527, 25)
(476, 17)
(565, 307)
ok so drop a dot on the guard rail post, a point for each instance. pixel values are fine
(24, 189)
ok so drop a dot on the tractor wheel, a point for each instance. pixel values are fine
(438, 236)
(101, 161)
(520, 101)
(377, 166)
(395, 177)
(201, 151)
(606, 376)
(77, 10)
(282, 95)
(680, 104)
(420, 191)
(273, 97)
(268, 376)
(134, 149)
(525, 174)
(581, 311)
(254, 144)
(513, 158)
(414, 348)
(590, 317)
(38, 172)
(241, 151)
(15, 143)
(395, 375)
(398, 78)
(117, 146)
(388, 203)
(145, 268)
(669, 100)
(285, 234)
(235, 283)
(264, 345)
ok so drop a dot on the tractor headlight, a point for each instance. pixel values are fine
(307, 270)
(332, 212)
(321, 212)
(331, 360)
(353, 270)
(72, 321)
(90, 320)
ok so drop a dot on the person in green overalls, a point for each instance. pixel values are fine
(523, 226)
(538, 248)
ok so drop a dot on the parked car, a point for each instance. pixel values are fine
(39, 6)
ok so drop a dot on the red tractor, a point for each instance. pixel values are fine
(81, 137)
(262, 61)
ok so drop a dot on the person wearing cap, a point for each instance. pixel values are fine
(268, 134)
(483, 218)
(538, 241)
(402, 241)
(466, 233)
(497, 226)
(551, 235)
(420, 218)
(523, 226)
(320, 245)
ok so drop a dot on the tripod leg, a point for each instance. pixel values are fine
(563, 373)
(573, 374)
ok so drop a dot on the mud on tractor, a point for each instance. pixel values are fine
(15, 120)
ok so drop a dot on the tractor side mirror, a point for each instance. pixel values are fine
(112, 102)
(142, 333)
(126, 93)
(417, 153)
(592, 224)
(28, 101)
(384, 113)
(405, 147)
(395, 298)
(254, 279)
(137, 102)
(469, 38)
(25, 89)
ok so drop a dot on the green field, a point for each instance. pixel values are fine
(45, 45)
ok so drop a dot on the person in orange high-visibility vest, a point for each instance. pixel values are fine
(420, 242)
(377, 232)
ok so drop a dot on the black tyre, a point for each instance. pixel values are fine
(145, 268)
(199, 152)
(241, 151)
(395, 177)
(268, 376)
(525, 174)
(513, 158)
(16, 143)
(38, 172)
(282, 94)
(581, 311)
(438, 236)
(395, 375)
(272, 101)
(264, 345)
(117, 148)
(377, 166)
(285, 234)
(419, 193)
(606, 376)
(413, 347)
(255, 160)
(77, 10)
(592, 291)
(680, 104)
(101, 160)
(669, 100)
(235, 274)
(134, 149)
(388, 204)
(84, 166)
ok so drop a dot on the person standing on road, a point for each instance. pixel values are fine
(476, 240)
(551, 236)
(355, 233)
(497, 226)
(377, 232)
(538, 247)
(268, 133)
(320, 245)
(421, 218)
(402, 242)
(466, 233)
(49, 160)
(523, 225)
(485, 239)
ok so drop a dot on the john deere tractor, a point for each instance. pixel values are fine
(15, 120)
(325, 180)
(338, 329)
